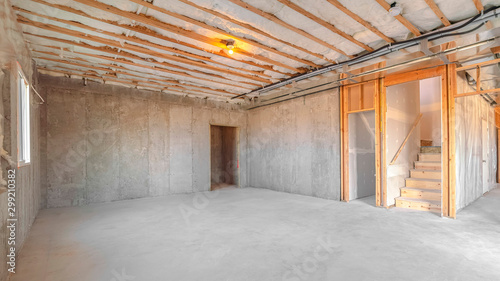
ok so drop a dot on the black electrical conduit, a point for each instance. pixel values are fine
(372, 72)
(387, 49)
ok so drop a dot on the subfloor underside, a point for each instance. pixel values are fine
(258, 234)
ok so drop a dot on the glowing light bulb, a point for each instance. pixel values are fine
(231, 52)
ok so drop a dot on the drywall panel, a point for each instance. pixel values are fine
(154, 144)
(362, 179)
(403, 108)
(430, 107)
(294, 146)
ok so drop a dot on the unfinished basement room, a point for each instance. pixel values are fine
(249, 140)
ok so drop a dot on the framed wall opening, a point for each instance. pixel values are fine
(224, 157)
(360, 151)
(421, 176)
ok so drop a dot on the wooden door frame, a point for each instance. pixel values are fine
(344, 139)
(448, 88)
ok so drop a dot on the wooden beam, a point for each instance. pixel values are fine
(135, 48)
(111, 77)
(124, 54)
(149, 32)
(276, 20)
(178, 30)
(400, 18)
(324, 23)
(360, 20)
(438, 12)
(481, 64)
(254, 29)
(111, 68)
(479, 5)
(419, 117)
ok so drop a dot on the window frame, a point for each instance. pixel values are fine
(23, 112)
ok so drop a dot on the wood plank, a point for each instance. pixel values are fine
(383, 115)
(472, 66)
(276, 20)
(112, 68)
(418, 204)
(479, 5)
(209, 27)
(126, 46)
(438, 12)
(360, 20)
(406, 139)
(324, 23)
(417, 193)
(414, 75)
(180, 31)
(452, 181)
(400, 18)
(423, 183)
(149, 32)
(488, 91)
(254, 29)
(125, 61)
(378, 159)
(445, 143)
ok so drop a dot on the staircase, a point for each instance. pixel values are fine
(423, 187)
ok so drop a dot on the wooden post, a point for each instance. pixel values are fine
(452, 91)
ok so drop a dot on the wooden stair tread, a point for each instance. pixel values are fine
(425, 170)
(429, 153)
(420, 179)
(422, 189)
(433, 202)
(428, 162)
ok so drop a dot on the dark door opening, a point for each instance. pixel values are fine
(224, 157)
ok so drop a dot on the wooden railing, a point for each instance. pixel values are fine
(406, 139)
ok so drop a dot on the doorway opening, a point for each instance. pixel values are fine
(224, 157)
(413, 144)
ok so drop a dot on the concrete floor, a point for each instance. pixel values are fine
(257, 234)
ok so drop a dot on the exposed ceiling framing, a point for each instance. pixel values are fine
(179, 46)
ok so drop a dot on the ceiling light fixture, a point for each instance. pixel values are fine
(395, 9)
(230, 46)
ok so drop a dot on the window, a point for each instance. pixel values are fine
(23, 118)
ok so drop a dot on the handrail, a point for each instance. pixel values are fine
(406, 139)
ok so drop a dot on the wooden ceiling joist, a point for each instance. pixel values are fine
(479, 5)
(252, 28)
(125, 61)
(276, 20)
(400, 18)
(434, 7)
(324, 23)
(149, 32)
(109, 77)
(116, 52)
(135, 48)
(360, 20)
(178, 30)
(112, 68)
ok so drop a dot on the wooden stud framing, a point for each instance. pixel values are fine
(357, 18)
(452, 89)
(438, 12)
(400, 18)
(124, 61)
(378, 151)
(179, 31)
(254, 29)
(479, 5)
(448, 195)
(135, 48)
(383, 132)
(324, 23)
(151, 6)
(344, 138)
(276, 20)
(146, 31)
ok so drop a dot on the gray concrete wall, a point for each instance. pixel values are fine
(29, 192)
(294, 146)
(107, 142)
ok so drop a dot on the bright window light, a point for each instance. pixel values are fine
(23, 116)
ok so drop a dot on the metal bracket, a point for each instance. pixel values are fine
(346, 72)
(424, 48)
